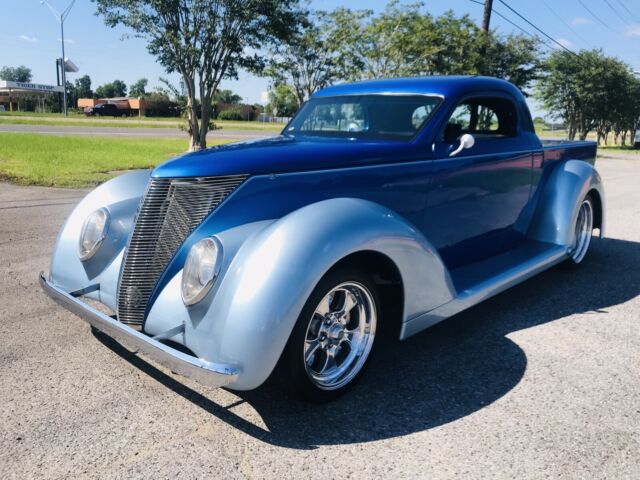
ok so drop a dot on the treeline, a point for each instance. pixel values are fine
(348, 45)
(587, 91)
(591, 92)
(302, 51)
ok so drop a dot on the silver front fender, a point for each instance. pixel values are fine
(257, 303)
(121, 197)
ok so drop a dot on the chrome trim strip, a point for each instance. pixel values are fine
(210, 374)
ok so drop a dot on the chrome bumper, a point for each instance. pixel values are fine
(207, 373)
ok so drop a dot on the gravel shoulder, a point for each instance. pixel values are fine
(540, 381)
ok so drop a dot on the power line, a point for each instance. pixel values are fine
(614, 10)
(606, 25)
(565, 23)
(506, 19)
(633, 17)
(536, 28)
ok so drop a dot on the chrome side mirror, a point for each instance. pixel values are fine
(466, 141)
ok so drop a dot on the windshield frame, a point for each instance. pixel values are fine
(332, 134)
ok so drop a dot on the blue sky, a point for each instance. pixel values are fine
(30, 35)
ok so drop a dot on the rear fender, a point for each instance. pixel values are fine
(560, 201)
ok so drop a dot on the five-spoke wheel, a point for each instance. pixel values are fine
(334, 335)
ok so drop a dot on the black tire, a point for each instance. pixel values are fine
(292, 367)
(575, 260)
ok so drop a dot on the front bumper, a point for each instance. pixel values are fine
(204, 372)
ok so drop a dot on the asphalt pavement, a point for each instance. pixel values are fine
(131, 132)
(541, 381)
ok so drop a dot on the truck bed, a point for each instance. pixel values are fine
(558, 149)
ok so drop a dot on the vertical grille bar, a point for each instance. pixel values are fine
(170, 210)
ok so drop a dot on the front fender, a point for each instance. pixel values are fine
(259, 299)
(121, 197)
(560, 200)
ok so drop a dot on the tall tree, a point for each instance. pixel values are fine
(16, 74)
(138, 89)
(83, 87)
(589, 91)
(204, 40)
(282, 101)
(319, 54)
(117, 88)
(226, 96)
(400, 41)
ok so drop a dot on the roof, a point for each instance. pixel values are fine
(437, 85)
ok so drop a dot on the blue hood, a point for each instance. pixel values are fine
(287, 154)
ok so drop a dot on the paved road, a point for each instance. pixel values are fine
(130, 132)
(542, 381)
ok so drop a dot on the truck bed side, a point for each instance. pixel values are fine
(555, 150)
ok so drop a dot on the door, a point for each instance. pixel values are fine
(478, 195)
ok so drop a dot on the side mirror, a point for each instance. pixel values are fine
(466, 141)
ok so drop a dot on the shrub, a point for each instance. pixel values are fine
(230, 114)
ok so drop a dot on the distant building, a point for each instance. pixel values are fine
(12, 93)
(135, 106)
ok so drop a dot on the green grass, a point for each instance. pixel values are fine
(72, 122)
(68, 161)
(80, 120)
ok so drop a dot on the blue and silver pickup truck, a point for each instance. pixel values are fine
(382, 208)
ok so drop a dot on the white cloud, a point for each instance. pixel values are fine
(632, 31)
(581, 21)
(27, 38)
(68, 41)
(564, 42)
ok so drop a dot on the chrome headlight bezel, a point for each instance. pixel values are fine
(87, 252)
(201, 269)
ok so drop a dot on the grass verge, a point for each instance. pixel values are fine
(30, 118)
(74, 162)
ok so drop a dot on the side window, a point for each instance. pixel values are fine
(484, 118)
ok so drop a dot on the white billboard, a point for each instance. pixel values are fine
(29, 87)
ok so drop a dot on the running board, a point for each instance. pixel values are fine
(480, 281)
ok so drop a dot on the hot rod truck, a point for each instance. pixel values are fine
(391, 203)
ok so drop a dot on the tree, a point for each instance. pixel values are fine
(282, 101)
(117, 88)
(205, 41)
(401, 41)
(590, 91)
(226, 96)
(138, 89)
(318, 55)
(83, 87)
(16, 74)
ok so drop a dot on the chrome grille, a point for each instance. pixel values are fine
(170, 210)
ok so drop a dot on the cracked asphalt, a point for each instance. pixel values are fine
(541, 381)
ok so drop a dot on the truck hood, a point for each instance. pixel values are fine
(287, 154)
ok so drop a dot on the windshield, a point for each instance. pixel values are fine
(394, 117)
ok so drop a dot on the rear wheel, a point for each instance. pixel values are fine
(583, 231)
(333, 337)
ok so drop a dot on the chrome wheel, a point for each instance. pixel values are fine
(340, 335)
(583, 232)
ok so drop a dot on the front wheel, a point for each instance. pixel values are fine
(333, 337)
(583, 231)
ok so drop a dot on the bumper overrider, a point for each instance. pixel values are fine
(204, 372)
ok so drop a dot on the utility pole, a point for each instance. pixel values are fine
(61, 17)
(486, 17)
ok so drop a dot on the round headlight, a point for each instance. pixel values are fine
(200, 270)
(93, 232)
